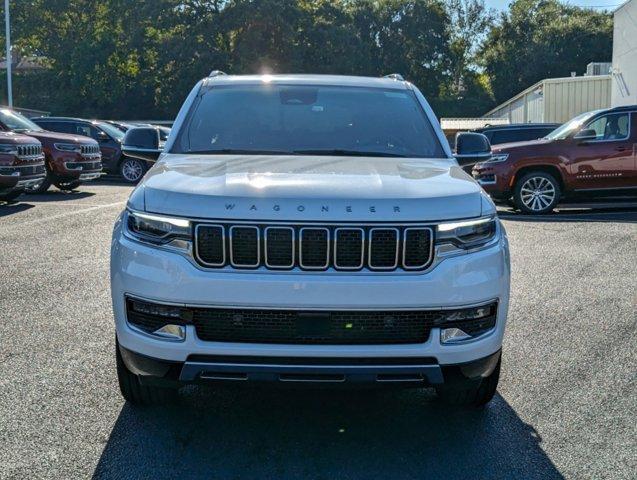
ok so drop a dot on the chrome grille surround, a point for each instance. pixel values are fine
(90, 151)
(225, 258)
(29, 152)
(234, 245)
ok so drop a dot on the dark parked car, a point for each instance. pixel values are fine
(516, 132)
(109, 138)
(592, 155)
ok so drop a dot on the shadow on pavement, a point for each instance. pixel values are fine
(56, 196)
(321, 434)
(7, 209)
(584, 215)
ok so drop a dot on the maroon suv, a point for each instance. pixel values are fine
(69, 159)
(21, 164)
(592, 155)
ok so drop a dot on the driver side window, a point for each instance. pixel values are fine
(611, 127)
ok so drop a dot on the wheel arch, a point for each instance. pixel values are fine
(540, 167)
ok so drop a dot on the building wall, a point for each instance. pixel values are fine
(624, 86)
(565, 98)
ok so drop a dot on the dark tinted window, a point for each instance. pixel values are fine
(62, 127)
(299, 118)
(518, 135)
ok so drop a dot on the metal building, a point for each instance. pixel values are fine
(556, 100)
(624, 85)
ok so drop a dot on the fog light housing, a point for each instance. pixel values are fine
(171, 332)
(453, 335)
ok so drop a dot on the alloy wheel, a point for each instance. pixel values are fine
(132, 170)
(537, 193)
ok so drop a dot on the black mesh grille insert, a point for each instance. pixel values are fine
(292, 327)
(210, 244)
(348, 244)
(280, 247)
(383, 248)
(314, 247)
(417, 247)
(245, 246)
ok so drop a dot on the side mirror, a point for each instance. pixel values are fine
(471, 148)
(142, 143)
(103, 136)
(586, 134)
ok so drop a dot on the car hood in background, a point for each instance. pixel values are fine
(309, 188)
(507, 147)
(46, 135)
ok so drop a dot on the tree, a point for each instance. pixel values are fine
(539, 39)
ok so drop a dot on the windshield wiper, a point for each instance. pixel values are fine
(347, 153)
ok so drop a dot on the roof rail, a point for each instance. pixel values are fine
(395, 76)
(216, 73)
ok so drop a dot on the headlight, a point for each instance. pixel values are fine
(468, 234)
(8, 149)
(159, 229)
(498, 157)
(67, 147)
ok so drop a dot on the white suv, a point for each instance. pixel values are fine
(308, 228)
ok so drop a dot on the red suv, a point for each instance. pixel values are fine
(592, 155)
(21, 164)
(69, 159)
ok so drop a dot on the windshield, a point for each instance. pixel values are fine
(112, 131)
(569, 127)
(16, 122)
(310, 120)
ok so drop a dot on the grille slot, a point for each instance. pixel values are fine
(315, 248)
(210, 245)
(349, 249)
(287, 246)
(245, 246)
(417, 247)
(383, 248)
(279, 247)
(29, 150)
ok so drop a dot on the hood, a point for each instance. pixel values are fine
(304, 188)
(12, 138)
(508, 147)
(46, 135)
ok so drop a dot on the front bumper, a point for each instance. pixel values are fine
(17, 177)
(166, 277)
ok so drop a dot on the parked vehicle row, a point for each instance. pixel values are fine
(591, 157)
(65, 152)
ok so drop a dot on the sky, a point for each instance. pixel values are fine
(597, 4)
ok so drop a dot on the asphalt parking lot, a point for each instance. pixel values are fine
(566, 404)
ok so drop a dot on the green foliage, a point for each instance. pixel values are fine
(540, 39)
(139, 58)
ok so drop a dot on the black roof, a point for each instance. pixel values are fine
(518, 126)
(624, 108)
(66, 119)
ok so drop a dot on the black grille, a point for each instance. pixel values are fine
(244, 242)
(24, 171)
(89, 149)
(210, 245)
(349, 248)
(341, 327)
(293, 327)
(383, 248)
(84, 165)
(417, 248)
(29, 150)
(279, 247)
(314, 248)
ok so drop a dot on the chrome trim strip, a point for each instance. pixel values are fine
(265, 241)
(431, 247)
(90, 176)
(223, 244)
(327, 259)
(362, 262)
(241, 265)
(369, 250)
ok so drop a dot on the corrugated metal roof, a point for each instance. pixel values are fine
(470, 123)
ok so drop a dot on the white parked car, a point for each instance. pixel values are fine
(309, 228)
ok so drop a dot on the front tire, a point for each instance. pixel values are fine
(68, 186)
(537, 193)
(41, 187)
(475, 394)
(132, 170)
(134, 392)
